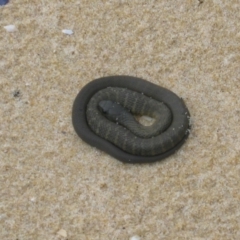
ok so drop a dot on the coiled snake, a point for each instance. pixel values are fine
(102, 115)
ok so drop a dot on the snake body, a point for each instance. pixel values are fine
(102, 116)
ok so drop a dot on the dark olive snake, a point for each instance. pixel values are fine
(104, 112)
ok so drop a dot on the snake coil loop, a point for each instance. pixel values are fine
(102, 116)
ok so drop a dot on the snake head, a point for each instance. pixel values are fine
(111, 110)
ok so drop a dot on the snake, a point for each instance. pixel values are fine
(104, 115)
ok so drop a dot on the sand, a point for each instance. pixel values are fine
(55, 186)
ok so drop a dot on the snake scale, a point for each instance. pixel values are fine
(104, 113)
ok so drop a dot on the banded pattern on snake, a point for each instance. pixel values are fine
(102, 116)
